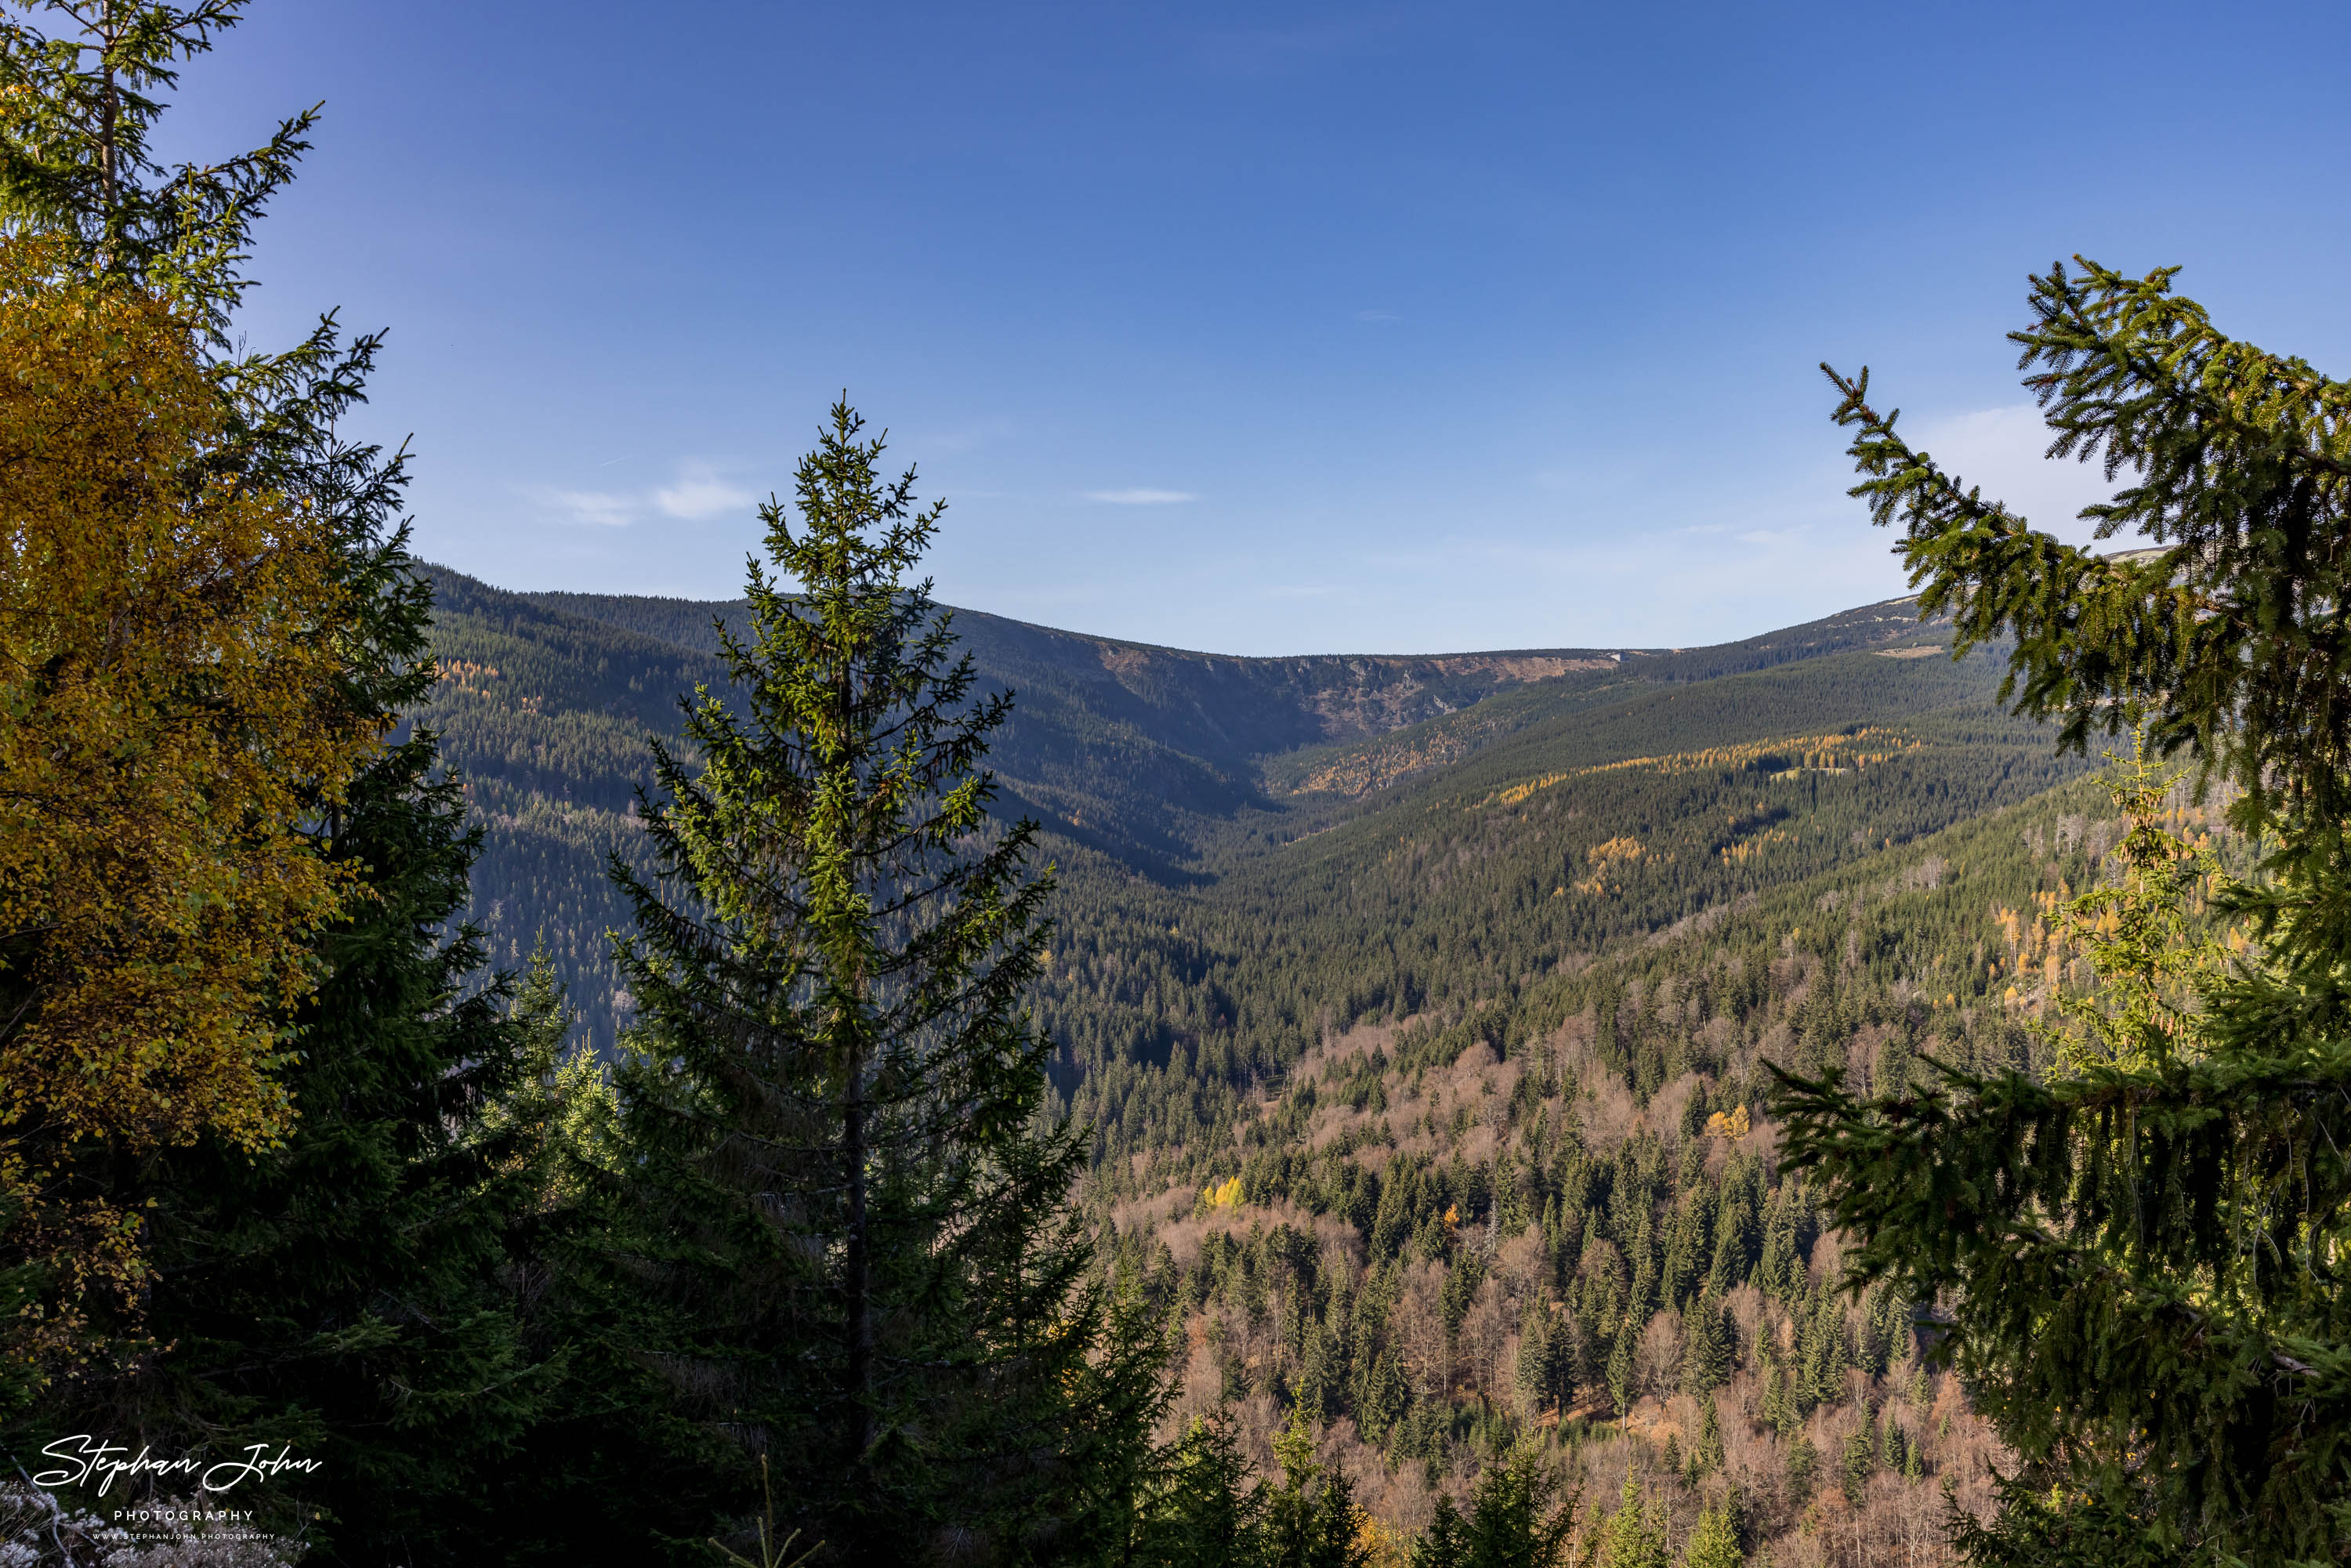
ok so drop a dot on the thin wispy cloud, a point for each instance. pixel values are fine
(1141, 497)
(1377, 316)
(697, 494)
(593, 508)
(700, 495)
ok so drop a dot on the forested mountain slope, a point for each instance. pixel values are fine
(1397, 994)
(1137, 760)
(1581, 834)
(1556, 1215)
(547, 702)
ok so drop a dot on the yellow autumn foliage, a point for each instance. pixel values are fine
(1380, 1544)
(1616, 849)
(1832, 753)
(169, 724)
(1600, 857)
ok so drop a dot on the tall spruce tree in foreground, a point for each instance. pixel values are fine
(851, 1229)
(2141, 1257)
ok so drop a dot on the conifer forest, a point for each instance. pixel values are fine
(821, 1076)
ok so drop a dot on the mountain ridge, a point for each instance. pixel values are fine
(1136, 761)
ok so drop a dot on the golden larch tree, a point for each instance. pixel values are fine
(171, 728)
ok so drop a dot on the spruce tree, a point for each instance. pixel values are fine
(1780, 1271)
(1708, 1339)
(1536, 1374)
(1738, 1228)
(1860, 1459)
(1634, 1535)
(76, 127)
(350, 1291)
(348, 1294)
(1714, 1543)
(1515, 1521)
(1621, 1392)
(1311, 1520)
(1382, 1392)
(1205, 1514)
(2139, 1255)
(849, 1227)
(1444, 1543)
(1706, 1454)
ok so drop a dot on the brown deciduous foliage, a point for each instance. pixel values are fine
(171, 725)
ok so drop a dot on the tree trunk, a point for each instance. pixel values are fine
(109, 106)
(857, 1264)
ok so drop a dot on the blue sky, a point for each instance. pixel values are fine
(1268, 328)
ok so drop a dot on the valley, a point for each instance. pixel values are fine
(1416, 1010)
